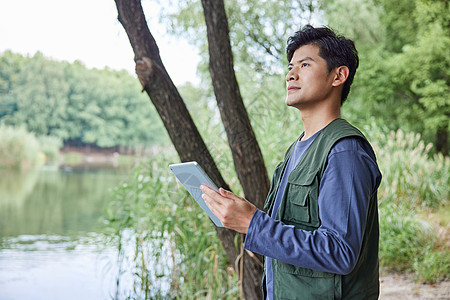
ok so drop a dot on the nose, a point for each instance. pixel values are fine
(291, 75)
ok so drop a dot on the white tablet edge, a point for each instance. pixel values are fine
(195, 190)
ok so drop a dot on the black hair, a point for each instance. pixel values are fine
(336, 50)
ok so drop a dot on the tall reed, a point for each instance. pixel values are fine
(415, 183)
(175, 252)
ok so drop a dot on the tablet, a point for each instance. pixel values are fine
(191, 175)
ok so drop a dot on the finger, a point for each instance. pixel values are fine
(207, 190)
(223, 192)
(212, 205)
(211, 195)
(228, 194)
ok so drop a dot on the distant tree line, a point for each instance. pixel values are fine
(81, 106)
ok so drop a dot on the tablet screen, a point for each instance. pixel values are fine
(191, 175)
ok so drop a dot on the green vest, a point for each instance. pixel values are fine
(299, 207)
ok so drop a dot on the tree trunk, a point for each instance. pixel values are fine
(441, 141)
(247, 156)
(248, 160)
(185, 136)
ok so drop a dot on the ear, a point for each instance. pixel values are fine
(340, 76)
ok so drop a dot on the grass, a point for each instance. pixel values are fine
(166, 228)
(433, 266)
(441, 216)
(414, 206)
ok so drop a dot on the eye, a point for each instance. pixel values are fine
(305, 64)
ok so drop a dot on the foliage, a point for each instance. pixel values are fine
(412, 176)
(173, 251)
(433, 266)
(414, 181)
(50, 145)
(76, 104)
(403, 237)
(19, 149)
(408, 243)
(424, 68)
(399, 26)
(407, 87)
(342, 15)
(258, 30)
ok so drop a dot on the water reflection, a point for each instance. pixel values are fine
(53, 202)
(51, 241)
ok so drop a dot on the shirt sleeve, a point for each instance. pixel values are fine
(348, 182)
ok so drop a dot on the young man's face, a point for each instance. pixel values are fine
(308, 81)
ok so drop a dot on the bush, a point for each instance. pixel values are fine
(433, 266)
(19, 149)
(414, 182)
(411, 175)
(50, 146)
(403, 237)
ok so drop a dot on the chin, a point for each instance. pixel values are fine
(291, 103)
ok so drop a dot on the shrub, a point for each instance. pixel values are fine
(411, 175)
(19, 149)
(414, 181)
(433, 266)
(50, 145)
(403, 237)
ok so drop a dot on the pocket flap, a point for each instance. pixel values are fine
(301, 201)
(291, 269)
(302, 176)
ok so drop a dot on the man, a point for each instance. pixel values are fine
(320, 233)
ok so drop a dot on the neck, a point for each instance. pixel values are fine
(315, 120)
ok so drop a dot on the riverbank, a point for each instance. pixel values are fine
(114, 159)
(69, 156)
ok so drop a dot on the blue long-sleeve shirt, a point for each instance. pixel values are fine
(349, 180)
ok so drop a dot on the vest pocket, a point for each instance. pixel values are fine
(301, 199)
(292, 282)
(297, 206)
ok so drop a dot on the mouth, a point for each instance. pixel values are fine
(292, 88)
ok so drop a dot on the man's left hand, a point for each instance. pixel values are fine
(233, 211)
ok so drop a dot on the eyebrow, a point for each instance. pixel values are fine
(302, 60)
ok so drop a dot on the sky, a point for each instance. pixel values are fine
(88, 31)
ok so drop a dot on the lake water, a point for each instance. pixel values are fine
(52, 244)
